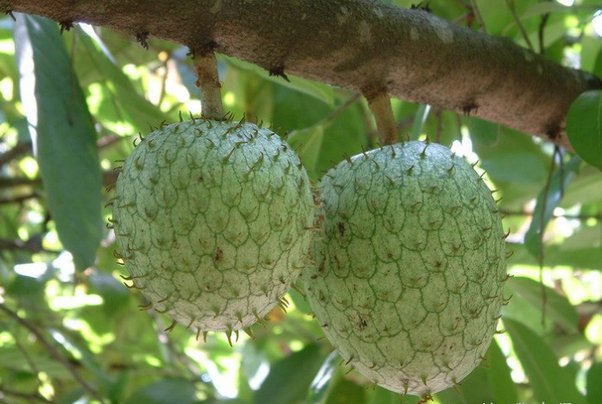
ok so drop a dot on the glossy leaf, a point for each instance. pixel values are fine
(550, 382)
(419, 120)
(290, 377)
(584, 127)
(548, 199)
(321, 385)
(64, 138)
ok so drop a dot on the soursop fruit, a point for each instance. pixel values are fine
(213, 221)
(410, 266)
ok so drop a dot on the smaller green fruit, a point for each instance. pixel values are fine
(213, 221)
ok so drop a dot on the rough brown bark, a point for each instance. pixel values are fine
(356, 44)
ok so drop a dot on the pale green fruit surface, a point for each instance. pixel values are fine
(213, 220)
(410, 266)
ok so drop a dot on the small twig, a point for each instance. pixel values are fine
(542, 227)
(17, 151)
(523, 32)
(26, 396)
(541, 31)
(18, 181)
(505, 212)
(28, 359)
(18, 199)
(52, 351)
(108, 177)
(478, 15)
(208, 81)
(109, 140)
(32, 245)
(380, 105)
(340, 109)
(165, 66)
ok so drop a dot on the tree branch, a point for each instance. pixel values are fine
(56, 355)
(356, 44)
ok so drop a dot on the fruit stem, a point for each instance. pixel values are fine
(380, 105)
(205, 65)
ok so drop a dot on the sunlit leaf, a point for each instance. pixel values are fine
(134, 106)
(321, 385)
(557, 308)
(300, 302)
(550, 382)
(557, 255)
(584, 127)
(115, 295)
(64, 138)
(502, 386)
(290, 377)
(419, 119)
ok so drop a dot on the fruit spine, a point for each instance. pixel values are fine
(410, 266)
(213, 221)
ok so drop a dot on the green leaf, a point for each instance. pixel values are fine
(141, 113)
(314, 89)
(548, 199)
(598, 64)
(115, 295)
(300, 302)
(513, 161)
(490, 382)
(550, 382)
(308, 143)
(290, 377)
(527, 297)
(502, 385)
(168, 391)
(584, 127)
(322, 383)
(347, 392)
(64, 139)
(558, 255)
(594, 387)
(419, 120)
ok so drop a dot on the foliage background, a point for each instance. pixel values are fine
(71, 331)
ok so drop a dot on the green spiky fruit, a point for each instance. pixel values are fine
(410, 265)
(213, 221)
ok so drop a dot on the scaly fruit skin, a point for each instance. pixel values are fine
(213, 221)
(410, 265)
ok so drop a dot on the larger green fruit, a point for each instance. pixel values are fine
(410, 265)
(213, 221)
